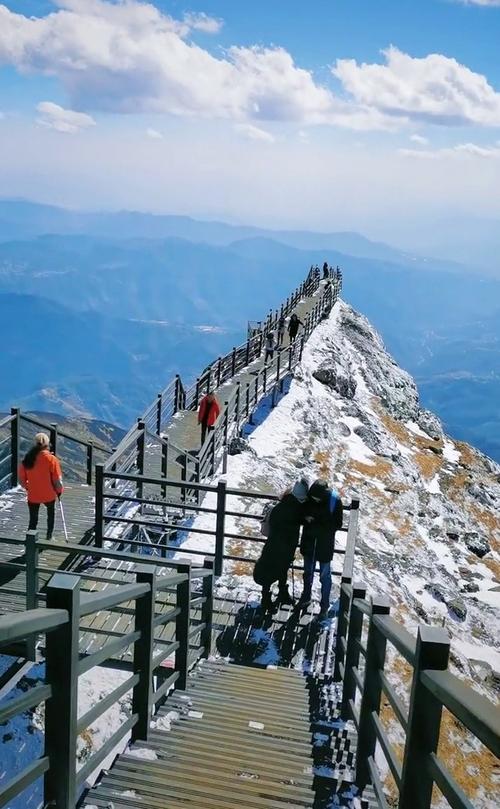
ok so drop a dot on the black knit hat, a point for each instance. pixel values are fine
(319, 490)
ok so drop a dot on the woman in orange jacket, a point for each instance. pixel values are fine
(40, 474)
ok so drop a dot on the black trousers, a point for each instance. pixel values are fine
(34, 509)
(204, 430)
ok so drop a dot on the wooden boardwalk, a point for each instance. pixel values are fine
(239, 736)
(184, 431)
(78, 504)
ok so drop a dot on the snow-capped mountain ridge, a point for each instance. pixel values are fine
(429, 522)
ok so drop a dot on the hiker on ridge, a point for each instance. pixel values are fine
(323, 516)
(208, 414)
(269, 346)
(283, 529)
(40, 474)
(293, 327)
(281, 330)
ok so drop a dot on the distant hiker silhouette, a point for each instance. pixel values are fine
(281, 330)
(293, 327)
(326, 271)
(270, 346)
(208, 414)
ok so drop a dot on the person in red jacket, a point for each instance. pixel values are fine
(208, 414)
(40, 474)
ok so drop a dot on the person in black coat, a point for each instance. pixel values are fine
(323, 516)
(285, 522)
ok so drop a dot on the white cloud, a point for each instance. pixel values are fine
(154, 134)
(68, 121)
(254, 133)
(198, 21)
(435, 89)
(480, 2)
(460, 150)
(419, 139)
(129, 57)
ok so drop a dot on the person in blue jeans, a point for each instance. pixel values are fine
(323, 517)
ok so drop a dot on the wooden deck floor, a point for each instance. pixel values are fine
(239, 736)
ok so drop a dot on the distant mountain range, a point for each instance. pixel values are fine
(98, 311)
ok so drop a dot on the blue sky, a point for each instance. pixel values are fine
(336, 113)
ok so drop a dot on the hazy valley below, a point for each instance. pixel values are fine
(99, 311)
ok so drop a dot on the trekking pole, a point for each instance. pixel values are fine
(63, 520)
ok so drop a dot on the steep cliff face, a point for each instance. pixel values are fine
(429, 534)
(430, 506)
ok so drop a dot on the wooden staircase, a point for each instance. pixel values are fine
(240, 736)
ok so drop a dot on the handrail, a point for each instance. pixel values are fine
(15, 626)
(472, 709)
(434, 687)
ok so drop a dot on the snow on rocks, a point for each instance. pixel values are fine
(429, 504)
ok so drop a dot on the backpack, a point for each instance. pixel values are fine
(333, 500)
(265, 525)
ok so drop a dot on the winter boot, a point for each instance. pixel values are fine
(284, 597)
(266, 602)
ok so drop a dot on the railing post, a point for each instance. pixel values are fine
(15, 426)
(290, 356)
(142, 700)
(424, 720)
(261, 342)
(208, 608)
(352, 653)
(61, 671)
(233, 363)
(212, 455)
(99, 504)
(226, 422)
(31, 586)
(219, 527)
(264, 379)
(177, 394)
(372, 690)
(237, 403)
(197, 392)
(301, 348)
(164, 466)
(278, 366)
(159, 406)
(342, 624)
(182, 622)
(247, 355)
(247, 403)
(90, 462)
(53, 437)
(140, 457)
(184, 477)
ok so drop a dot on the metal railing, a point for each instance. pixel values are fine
(238, 409)
(60, 623)
(215, 530)
(77, 456)
(362, 669)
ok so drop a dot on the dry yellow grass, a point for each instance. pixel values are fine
(380, 469)
(397, 428)
(494, 566)
(468, 455)
(472, 769)
(428, 463)
(489, 521)
(323, 460)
